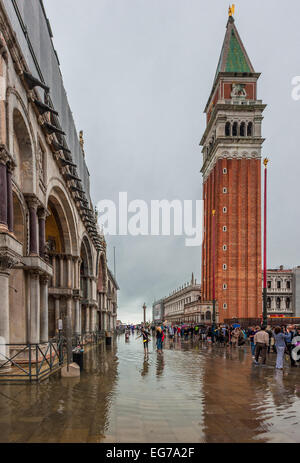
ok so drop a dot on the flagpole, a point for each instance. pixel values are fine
(214, 270)
(265, 315)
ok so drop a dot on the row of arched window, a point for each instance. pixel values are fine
(207, 315)
(278, 303)
(241, 129)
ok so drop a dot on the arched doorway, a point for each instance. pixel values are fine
(88, 312)
(60, 236)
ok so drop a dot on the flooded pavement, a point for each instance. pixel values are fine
(191, 394)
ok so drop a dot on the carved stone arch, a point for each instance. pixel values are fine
(225, 154)
(15, 101)
(21, 142)
(60, 205)
(20, 218)
(245, 154)
(87, 255)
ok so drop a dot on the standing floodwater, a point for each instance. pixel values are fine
(191, 393)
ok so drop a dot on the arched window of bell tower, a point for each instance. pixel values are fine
(235, 129)
(250, 129)
(227, 129)
(243, 129)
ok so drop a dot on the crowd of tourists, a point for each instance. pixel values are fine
(262, 340)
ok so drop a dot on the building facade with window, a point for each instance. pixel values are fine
(199, 312)
(51, 250)
(296, 291)
(175, 303)
(281, 291)
(158, 311)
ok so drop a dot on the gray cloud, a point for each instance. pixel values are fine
(138, 74)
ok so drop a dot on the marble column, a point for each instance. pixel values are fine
(44, 308)
(91, 288)
(80, 318)
(70, 310)
(10, 203)
(61, 263)
(75, 272)
(69, 271)
(34, 320)
(54, 277)
(3, 193)
(87, 319)
(32, 206)
(77, 316)
(4, 308)
(78, 274)
(3, 97)
(7, 262)
(92, 319)
(77, 263)
(57, 311)
(42, 231)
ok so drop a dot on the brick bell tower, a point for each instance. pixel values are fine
(231, 171)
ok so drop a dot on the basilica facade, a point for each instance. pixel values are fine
(53, 262)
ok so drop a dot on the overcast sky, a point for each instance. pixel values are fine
(138, 74)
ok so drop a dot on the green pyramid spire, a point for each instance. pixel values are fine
(233, 56)
(236, 59)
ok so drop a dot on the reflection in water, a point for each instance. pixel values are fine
(145, 366)
(159, 364)
(191, 393)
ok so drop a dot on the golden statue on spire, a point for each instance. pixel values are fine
(231, 10)
(81, 140)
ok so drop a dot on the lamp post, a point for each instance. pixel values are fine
(265, 316)
(214, 271)
(144, 308)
